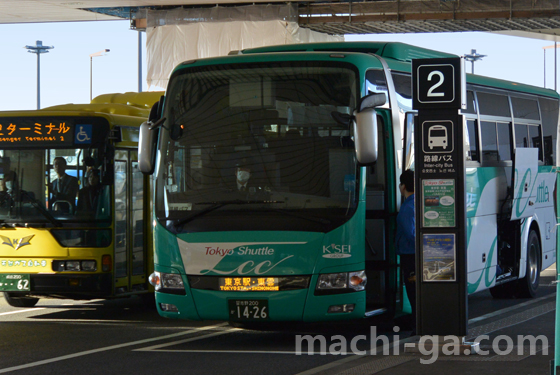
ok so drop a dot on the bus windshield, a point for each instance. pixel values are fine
(53, 186)
(255, 147)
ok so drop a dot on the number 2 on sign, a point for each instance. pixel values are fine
(437, 84)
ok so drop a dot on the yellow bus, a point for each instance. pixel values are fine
(74, 208)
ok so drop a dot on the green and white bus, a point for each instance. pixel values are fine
(312, 236)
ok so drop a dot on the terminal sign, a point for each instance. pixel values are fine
(50, 131)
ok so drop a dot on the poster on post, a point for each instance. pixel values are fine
(439, 257)
(438, 203)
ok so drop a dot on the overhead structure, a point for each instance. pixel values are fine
(333, 17)
(179, 35)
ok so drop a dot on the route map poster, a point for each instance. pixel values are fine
(438, 257)
(438, 203)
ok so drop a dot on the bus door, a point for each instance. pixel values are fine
(130, 252)
(381, 287)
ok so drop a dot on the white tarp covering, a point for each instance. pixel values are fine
(170, 44)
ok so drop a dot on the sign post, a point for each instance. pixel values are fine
(441, 267)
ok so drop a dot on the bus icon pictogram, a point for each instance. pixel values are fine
(437, 137)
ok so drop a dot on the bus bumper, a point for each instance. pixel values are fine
(295, 305)
(71, 286)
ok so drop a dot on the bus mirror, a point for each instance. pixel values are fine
(372, 101)
(365, 136)
(147, 148)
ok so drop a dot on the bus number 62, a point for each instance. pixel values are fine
(23, 284)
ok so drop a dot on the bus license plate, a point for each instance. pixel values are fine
(15, 282)
(248, 309)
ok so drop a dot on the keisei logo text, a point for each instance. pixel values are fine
(335, 251)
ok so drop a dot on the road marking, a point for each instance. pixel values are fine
(330, 365)
(321, 369)
(155, 347)
(21, 311)
(508, 309)
(112, 347)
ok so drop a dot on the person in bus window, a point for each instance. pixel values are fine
(242, 174)
(9, 188)
(405, 242)
(65, 187)
(88, 197)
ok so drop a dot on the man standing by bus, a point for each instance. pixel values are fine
(405, 242)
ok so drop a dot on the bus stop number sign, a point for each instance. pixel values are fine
(437, 85)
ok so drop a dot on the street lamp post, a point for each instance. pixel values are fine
(555, 46)
(38, 49)
(100, 53)
(472, 57)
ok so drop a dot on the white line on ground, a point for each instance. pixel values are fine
(112, 347)
(321, 369)
(22, 311)
(508, 309)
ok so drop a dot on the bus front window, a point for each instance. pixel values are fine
(256, 147)
(53, 186)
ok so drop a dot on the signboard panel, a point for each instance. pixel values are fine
(440, 198)
(436, 83)
(51, 131)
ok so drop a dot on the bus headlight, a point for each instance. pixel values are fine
(167, 282)
(89, 265)
(342, 282)
(333, 281)
(72, 265)
(171, 281)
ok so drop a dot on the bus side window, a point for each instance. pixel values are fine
(489, 140)
(521, 136)
(549, 114)
(535, 138)
(504, 141)
(471, 104)
(472, 138)
(377, 83)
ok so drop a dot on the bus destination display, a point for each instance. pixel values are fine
(48, 131)
(249, 284)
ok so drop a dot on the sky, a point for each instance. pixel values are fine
(65, 70)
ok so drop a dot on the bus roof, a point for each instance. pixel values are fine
(144, 99)
(136, 104)
(389, 50)
(399, 57)
(111, 108)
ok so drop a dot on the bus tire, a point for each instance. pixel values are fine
(503, 291)
(20, 301)
(527, 286)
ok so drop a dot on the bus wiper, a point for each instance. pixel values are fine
(301, 216)
(41, 209)
(215, 206)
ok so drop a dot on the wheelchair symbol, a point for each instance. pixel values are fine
(82, 136)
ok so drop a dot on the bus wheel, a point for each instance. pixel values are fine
(503, 291)
(20, 301)
(527, 287)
